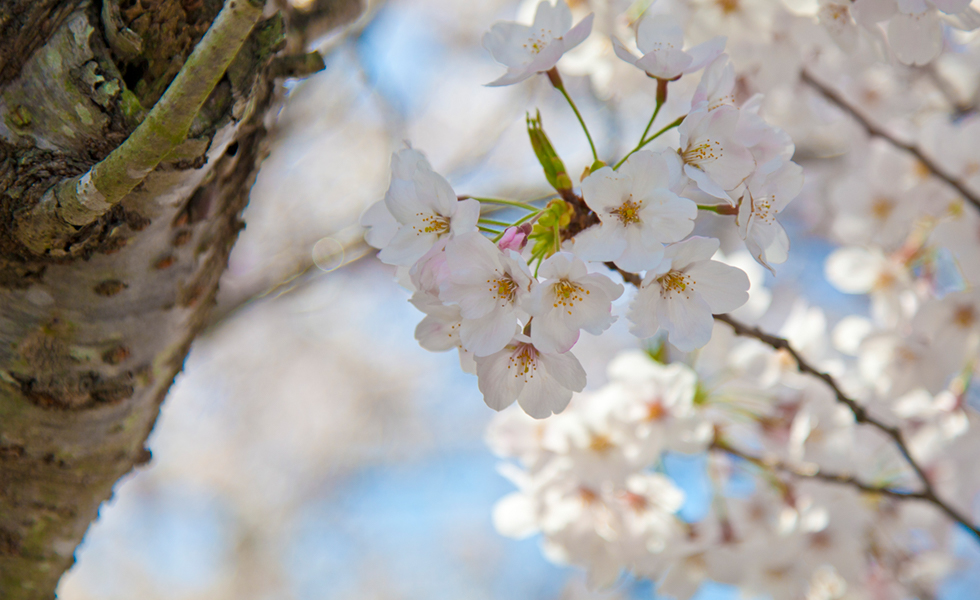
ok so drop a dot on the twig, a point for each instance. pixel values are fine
(861, 415)
(874, 130)
(838, 478)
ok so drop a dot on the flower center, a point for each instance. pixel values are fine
(762, 209)
(675, 283)
(628, 212)
(433, 223)
(882, 207)
(536, 44)
(524, 361)
(706, 151)
(506, 288)
(567, 294)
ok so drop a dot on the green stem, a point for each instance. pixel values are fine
(487, 229)
(557, 238)
(556, 81)
(655, 136)
(656, 111)
(503, 202)
(492, 222)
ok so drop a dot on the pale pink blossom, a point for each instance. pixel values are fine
(660, 40)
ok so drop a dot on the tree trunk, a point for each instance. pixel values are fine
(97, 318)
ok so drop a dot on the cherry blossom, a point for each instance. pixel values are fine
(768, 192)
(637, 211)
(541, 382)
(710, 152)
(489, 286)
(423, 205)
(527, 50)
(660, 40)
(568, 300)
(681, 294)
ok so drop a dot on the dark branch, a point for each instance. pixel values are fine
(874, 130)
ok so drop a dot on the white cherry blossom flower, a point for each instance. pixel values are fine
(637, 211)
(541, 382)
(526, 50)
(717, 85)
(682, 293)
(660, 40)
(569, 300)
(916, 38)
(425, 208)
(439, 330)
(710, 152)
(769, 190)
(489, 287)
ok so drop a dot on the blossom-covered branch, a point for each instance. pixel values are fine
(861, 415)
(838, 100)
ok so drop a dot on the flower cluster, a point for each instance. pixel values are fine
(816, 442)
(516, 329)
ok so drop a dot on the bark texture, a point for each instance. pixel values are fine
(93, 332)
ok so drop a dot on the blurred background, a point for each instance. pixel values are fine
(310, 449)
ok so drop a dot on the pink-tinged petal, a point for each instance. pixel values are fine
(702, 54)
(642, 251)
(381, 225)
(436, 335)
(465, 218)
(407, 247)
(598, 283)
(488, 334)
(505, 41)
(723, 288)
(565, 369)
(623, 52)
(644, 312)
(604, 189)
(511, 77)
(778, 250)
(691, 250)
(658, 31)
(667, 217)
(499, 384)
(600, 242)
(576, 35)
(688, 321)
(555, 18)
(665, 64)
(550, 334)
(706, 184)
(647, 171)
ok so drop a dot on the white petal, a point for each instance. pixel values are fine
(724, 288)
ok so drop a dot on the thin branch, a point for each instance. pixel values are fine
(874, 130)
(861, 415)
(772, 464)
(78, 201)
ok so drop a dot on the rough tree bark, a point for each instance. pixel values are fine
(119, 205)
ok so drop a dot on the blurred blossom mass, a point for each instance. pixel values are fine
(312, 449)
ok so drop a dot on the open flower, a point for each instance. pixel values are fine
(526, 50)
(439, 330)
(637, 211)
(423, 207)
(541, 382)
(769, 191)
(710, 153)
(660, 39)
(568, 300)
(489, 286)
(682, 293)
